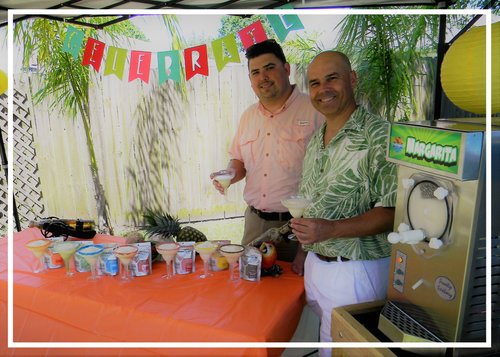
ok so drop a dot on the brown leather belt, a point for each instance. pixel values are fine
(331, 259)
(271, 216)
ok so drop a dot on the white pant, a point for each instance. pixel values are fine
(333, 284)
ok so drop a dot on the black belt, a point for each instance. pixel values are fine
(272, 216)
(331, 259)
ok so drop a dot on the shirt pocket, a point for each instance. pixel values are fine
(292, 148)
(248, 147)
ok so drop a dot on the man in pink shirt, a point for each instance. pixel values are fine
(269, 145)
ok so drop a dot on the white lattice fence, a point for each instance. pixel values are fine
(26, 179)
(27, 192)
(3, 180)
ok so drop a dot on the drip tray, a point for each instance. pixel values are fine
(400, 325)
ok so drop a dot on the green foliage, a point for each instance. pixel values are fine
(301, 50)
(461, 20)
(387, 52)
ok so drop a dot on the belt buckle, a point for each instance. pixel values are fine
(331, 259)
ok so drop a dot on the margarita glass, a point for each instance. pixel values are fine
(168, 250)
(91, 254)
(39, 247)
(205, 249)
(296, 205)
(224, 177)
(232, 252)
(125, 253)
(66, 250)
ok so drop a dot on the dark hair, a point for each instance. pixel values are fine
(267, 46)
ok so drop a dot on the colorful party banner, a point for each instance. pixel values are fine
(94, 51)
(284, 24)
(140, 64)
(196, 60)
(252, 34)
(225, 50)
(115, 61)
(169, 66)
(73, 41)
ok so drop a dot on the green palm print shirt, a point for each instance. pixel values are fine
(347, 178)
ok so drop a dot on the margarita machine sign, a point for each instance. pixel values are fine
(435, 149)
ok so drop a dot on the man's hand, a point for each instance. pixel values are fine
(311, 230)
(216, 183)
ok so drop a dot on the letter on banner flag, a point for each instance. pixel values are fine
(225, 51)
(140, 63)
(283, 24)
(169, 66)
(94, 50)
(73, 41)
(115, 61)
(252, 34)
(196, 60)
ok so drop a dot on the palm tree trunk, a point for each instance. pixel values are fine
(104, 219)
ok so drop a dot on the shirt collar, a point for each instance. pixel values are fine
(356, 120)
(352, 126)
(289, 101)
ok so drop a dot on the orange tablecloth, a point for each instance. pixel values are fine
(50, 307)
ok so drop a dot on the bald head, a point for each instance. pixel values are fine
(331, 84)
(336, 56)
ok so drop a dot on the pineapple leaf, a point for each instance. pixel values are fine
(160, 223)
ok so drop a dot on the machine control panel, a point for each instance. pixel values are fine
(399, 271)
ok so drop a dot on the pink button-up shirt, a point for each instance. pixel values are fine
(272, 148)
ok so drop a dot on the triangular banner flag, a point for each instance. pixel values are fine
(94, 51)
(196, 60)
(169, 66)
(73, 41)
(284, 24)
(252, 34)
(115, 61)
(140, 63)
(225, 51)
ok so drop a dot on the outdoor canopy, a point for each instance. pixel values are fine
(196, 5)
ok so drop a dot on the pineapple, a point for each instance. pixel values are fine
(163, 226)
(190, 234)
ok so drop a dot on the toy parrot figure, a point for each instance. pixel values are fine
(269, 256)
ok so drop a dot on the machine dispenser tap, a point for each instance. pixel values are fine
(409, 237)
(440, 193)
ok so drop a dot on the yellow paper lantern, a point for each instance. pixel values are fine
(463, 71)
(3, 82)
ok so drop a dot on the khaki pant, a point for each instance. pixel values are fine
(255, 226)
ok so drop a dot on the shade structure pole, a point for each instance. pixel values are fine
(5, 166)
(441, 50)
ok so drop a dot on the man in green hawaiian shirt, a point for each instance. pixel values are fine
(353, 192)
